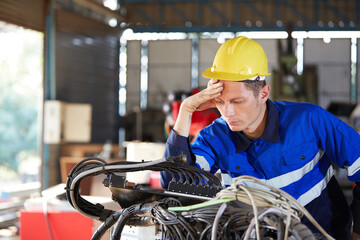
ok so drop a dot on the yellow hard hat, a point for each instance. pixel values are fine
(239, 59)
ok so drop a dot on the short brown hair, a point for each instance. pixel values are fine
(255, 85)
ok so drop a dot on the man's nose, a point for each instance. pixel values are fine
(229, 109)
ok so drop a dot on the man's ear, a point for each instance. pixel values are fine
(264, 93)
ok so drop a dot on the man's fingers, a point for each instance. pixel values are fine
(204, 99)
(212, 81)
(216, 88)
(215, 84)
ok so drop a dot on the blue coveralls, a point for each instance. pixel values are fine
(295, 153)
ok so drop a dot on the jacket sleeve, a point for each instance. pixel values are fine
(176, 145)
(340, 142)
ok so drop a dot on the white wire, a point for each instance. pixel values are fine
(218, 215)
(288, 219)
(273, 197)
(255, 211)
(261, 216)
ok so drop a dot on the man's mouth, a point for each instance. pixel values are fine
(233, 122)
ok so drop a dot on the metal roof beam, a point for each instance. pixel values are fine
(178, 12)
(336, 12)
(258, 13)
(142, 14)
(297, 12)
(218, 13)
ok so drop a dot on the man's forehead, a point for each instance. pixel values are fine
(233, 83)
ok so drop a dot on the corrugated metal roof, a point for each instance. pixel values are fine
(29, 14)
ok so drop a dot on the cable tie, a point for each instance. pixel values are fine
(68, 189)
(105, 214)
(103, 167)
(137, 207)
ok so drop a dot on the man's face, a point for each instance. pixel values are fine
(240, 108)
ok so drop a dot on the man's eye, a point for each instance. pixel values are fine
(219, 102)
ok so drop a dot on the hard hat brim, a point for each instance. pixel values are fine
(230, 76)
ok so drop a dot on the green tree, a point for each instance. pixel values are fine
(21, 54)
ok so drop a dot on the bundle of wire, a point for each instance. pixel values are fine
(241, 211)
(180, 173)
(256, 193)
(216, 219)
(249, 209)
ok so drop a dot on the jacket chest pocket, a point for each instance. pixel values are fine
(236, 163)
(301, 154)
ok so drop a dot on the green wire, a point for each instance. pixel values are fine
(200, 205)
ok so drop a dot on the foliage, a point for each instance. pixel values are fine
(20, 95)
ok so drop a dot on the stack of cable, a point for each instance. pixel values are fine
(249, 209)
(258, 194)
(216, 219)
(185, 179)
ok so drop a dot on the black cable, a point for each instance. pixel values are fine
(186, 172)
(121, 221)
(106, 225)
(206, 232)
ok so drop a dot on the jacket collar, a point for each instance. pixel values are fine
(270, 134)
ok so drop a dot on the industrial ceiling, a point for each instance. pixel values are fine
(195, 15)
(225, 15)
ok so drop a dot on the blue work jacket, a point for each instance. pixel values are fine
(295, 153)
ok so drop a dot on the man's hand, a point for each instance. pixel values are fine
(203, 99)
(200, 101)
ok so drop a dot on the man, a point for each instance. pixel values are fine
(290, 146)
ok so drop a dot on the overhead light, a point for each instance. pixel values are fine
(327, 40)
(188, 24)
(264, 35)
(112, 22)
(77, 42)
(299, 34)
(89, 41)
(258, 23)
(221, 39)
(111, 4)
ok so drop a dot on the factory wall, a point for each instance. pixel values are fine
(87, 70)
(207, 51)
(333, 64)
(169, 68)
(133, 70)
